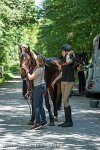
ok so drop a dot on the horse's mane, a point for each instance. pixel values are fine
(51, 65)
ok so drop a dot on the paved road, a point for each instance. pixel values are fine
(16, 134)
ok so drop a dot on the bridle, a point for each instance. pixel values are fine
(27, 60)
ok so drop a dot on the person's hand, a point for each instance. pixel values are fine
(24, 46)
(53, 83)
(58, 64)
(70, 52)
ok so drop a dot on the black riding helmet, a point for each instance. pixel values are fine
(66, 47)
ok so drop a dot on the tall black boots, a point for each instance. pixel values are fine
(68, 118)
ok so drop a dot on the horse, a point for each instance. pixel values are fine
(51, 72)
(27, 86)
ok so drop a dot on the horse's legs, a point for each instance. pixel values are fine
(51, 117)
(24, 88)
(53, 94)
(31, 122)
(33, 112)
(59, 96)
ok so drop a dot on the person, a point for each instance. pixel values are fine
(84, 57)
(81, 77)
(67, 82)
(39, 90)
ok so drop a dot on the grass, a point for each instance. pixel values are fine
(6, 77)
(9, 72)
(2, 80)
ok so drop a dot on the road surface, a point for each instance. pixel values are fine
(16, 134)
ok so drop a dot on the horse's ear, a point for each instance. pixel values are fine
(28, 50)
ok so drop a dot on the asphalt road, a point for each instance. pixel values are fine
(16, 134)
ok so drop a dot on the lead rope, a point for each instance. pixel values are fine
(27, 98)
(29, 106)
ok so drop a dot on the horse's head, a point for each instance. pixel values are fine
(26, 59)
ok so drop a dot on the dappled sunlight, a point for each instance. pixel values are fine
(50, 138)
(16, 134)
(9, 90)
(12, 81)
(11, 108)
(92, 111)
(95, 111)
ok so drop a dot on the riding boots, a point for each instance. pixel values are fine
(60, 125)
(68, 118)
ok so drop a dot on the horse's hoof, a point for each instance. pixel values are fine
(55, 119)
(51, 124)
(31, 122)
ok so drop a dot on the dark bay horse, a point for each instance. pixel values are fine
(25, 58)
(51, 72)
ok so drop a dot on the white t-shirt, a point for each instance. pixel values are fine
(40, 78)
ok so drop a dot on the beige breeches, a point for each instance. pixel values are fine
(66, 88)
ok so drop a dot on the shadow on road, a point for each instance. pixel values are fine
(16, 134)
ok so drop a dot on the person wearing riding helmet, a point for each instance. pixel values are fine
(67, 82)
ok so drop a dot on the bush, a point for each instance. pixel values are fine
(9, 71)
(15, 68)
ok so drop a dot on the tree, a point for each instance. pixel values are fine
(73, 21)
(17, 19)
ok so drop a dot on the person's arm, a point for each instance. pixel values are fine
(33, 54)
(68, 59)
(56, 79)
(58, 64)
(32, 76)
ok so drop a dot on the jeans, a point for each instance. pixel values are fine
(38, 103)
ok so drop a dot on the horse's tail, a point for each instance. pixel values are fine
(58, 96)
(59, 102)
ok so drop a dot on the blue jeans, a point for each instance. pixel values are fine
(38, 103)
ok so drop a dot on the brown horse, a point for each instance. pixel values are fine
(27, 87)
(51, 72)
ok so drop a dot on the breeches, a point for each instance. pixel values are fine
(66, 88)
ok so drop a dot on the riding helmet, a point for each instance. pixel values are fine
(66, 47)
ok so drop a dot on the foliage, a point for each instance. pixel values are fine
(72, 21)
(6, 77)
(16, 25)
(9, 72)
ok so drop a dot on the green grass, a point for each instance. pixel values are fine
(2, 80)
(9, 72)
(6, 77)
